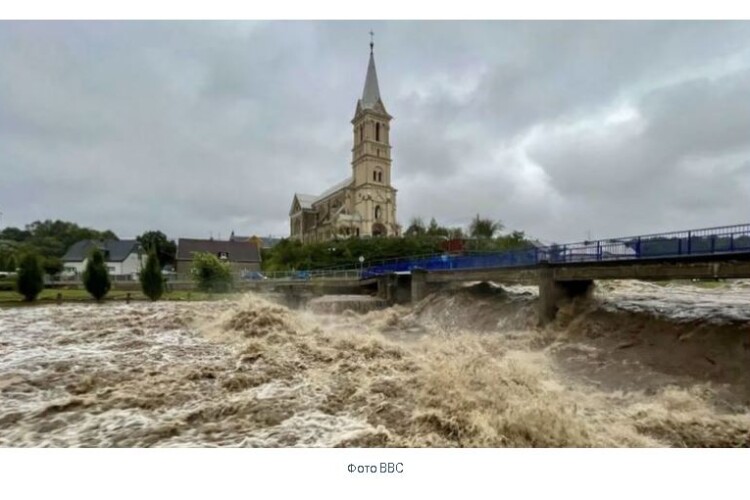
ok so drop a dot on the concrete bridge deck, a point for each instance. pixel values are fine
(567, 270)
(558, 282)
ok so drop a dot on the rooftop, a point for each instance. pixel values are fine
(114, 250)
(238, 251)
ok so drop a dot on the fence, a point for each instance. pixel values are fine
(697, 242)
(302, 275)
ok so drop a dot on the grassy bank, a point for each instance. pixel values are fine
(49, 296)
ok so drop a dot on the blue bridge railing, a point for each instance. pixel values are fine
(695, 242)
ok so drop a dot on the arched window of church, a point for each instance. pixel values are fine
(377, 132)
(361, 133)
(374, 176)
(380, 176)
(377, 212)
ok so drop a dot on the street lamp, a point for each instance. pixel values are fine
(361, 264)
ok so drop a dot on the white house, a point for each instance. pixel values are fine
(122, 257)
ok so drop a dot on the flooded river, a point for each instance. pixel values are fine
(638, 364)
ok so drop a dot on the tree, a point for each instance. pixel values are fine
(53, 266)
(8, 256)
(30, 279)
(435, 229)
(14, 234)
(484, 228)
(152, 282)
(166, 250)
(95, 276)
(456, 233)
(416, 227)
(211, 274)
(53, 238)
(344, 254)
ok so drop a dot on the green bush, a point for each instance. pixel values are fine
(292, 254)
(53, 266)
(8, 285)
(95, 276)
(8, 253)
(30, 280)
(152, 282)
(210, 274)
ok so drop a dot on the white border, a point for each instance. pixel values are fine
(375, 9)
(285, 473)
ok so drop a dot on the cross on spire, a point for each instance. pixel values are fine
(372, 43)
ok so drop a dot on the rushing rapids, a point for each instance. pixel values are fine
(639, 364)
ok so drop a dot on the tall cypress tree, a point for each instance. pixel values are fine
(95, 276)
(152, 282)
(30, 280)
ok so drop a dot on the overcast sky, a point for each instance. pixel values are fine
(556, 128)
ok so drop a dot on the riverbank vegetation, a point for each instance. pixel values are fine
(418, 239)
(79, 295)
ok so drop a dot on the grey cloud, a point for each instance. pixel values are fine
(195, 128)
(684, 160)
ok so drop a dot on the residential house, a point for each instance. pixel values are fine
(242, 256)
(122, 257)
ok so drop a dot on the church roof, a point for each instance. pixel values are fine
(306, 200)
(336, 187)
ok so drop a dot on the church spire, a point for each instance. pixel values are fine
(371, 93)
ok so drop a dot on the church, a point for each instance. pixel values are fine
(363, 204)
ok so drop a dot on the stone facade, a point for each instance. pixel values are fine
(363, 204)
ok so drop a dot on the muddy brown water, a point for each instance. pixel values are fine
(637, 365)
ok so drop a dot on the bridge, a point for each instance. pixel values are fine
(560, 271)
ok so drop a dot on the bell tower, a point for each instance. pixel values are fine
(375, 198)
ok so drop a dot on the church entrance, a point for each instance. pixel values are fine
(378, 229)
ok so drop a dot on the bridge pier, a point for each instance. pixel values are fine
(385, 287)
(293, 298)
(418, 285)
(394, 288)
(552, 292)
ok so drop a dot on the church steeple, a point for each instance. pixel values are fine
(365, 203)
(371, 151)
(371, 92)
